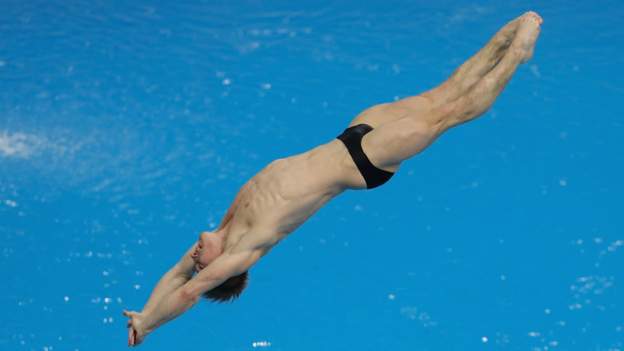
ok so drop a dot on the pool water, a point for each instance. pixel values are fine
(126, 128)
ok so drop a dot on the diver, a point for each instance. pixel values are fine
(285, 193)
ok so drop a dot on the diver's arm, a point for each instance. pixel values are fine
(179, 274)
(179, 301)
(230, 212)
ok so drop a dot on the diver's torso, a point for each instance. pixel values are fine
(285, 193)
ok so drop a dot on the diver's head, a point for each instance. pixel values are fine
(229, 290)
(209, 247)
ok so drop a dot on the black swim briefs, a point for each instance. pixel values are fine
(352, 138)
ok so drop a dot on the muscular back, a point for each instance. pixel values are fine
(285, 193)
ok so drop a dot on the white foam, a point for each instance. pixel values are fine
(18, 145)
(10, 203)
(261, 344)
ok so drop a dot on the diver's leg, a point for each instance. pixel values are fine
(394, 142)
(460, 81)
(471, 71)
(481, 97)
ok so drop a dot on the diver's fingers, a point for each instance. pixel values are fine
(130, 314)
(129, 336)
(133, 337)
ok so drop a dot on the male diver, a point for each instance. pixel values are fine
(284, 194)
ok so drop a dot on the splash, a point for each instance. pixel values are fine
(19, 145)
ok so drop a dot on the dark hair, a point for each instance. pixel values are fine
(229, 289)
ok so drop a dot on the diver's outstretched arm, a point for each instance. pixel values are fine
(184, 297)
(176, 277)
(179, 274)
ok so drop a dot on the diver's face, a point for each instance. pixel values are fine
(206, 250)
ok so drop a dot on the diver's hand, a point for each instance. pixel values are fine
(136, 328)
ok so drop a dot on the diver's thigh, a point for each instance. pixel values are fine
(392, 143)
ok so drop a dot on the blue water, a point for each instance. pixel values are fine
(126, 128)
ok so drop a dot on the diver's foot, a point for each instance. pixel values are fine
(526, 35)
(533, 16)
